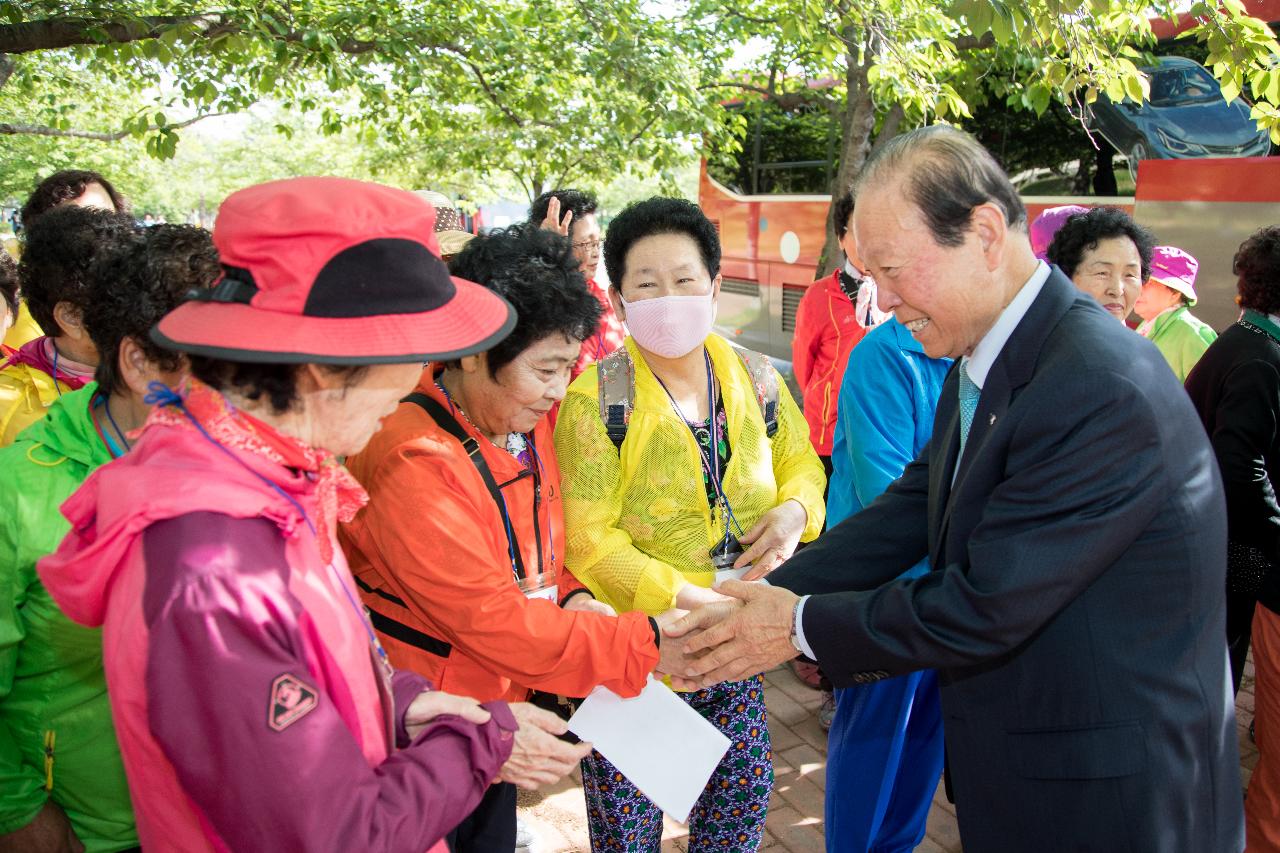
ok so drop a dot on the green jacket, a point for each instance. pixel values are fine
(1180, 337)
(56, 736)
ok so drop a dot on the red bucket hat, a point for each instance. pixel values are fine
(333, 271)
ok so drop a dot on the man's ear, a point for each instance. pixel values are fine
(70, 320)
(987, 222)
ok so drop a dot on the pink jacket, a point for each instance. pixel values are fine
(247, 701)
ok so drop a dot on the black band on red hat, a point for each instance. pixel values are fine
(236, 285)
(377, 277)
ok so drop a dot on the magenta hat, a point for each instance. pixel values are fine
(1048, 223)
(1175, 269)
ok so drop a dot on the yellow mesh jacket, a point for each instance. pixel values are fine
(637, 521)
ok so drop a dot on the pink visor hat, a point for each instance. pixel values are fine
(1176, 270)
(333, 271)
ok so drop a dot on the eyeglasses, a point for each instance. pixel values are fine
(592, 245)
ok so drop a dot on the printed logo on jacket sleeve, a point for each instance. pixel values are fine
(291, 700)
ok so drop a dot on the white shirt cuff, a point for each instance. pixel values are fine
(800, 640)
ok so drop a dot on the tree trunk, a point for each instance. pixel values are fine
(855, 139)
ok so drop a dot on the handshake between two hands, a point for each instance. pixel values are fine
(745, 631)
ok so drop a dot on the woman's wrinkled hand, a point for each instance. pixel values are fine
(773, 539)
(429, 704)
(539, 757)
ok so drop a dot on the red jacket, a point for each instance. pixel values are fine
(827, 329)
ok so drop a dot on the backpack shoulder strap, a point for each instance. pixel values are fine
(764, 382)
(616, 388)
(449, 424)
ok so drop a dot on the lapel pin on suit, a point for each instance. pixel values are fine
(992, 422)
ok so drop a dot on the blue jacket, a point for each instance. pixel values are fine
(885, 417)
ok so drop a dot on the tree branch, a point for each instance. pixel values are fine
(53, 33)
(8, 129)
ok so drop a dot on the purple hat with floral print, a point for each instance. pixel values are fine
(1176, 270)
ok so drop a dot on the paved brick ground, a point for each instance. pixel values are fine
(800, 759)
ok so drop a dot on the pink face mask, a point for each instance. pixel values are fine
(670, 326)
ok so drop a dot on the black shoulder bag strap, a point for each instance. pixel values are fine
(449, 424)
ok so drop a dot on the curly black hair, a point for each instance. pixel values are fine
(536, 271)
(1082, 233)
(136, 283)
(61, 187)
(840, 213)
(1257, 263)
(59, 249)
(659, 215)
(8, 284)
(580, 202)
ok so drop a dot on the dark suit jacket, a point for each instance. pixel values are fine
(1076, 609)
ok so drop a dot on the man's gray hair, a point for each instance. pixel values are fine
(948, 174)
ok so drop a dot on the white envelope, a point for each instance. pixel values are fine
(658, 742)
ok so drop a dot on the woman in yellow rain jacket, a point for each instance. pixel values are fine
(683, 460)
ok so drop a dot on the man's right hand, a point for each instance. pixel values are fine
(539, 757)
(50, 832)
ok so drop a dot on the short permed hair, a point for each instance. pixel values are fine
(59, 250)
(8, 284)
(1257, 263)
(948, 173)
(840, 213)
(1082, 233)
(62, 187)
(580, 202)
(659, 215)
(536, 271)
(135, 284)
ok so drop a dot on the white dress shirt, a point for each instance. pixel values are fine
(978, 365)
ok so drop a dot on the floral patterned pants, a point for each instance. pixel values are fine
(729, 815)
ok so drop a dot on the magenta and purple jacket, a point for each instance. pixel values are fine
(251, 709)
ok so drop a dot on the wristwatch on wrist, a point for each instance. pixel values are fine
(795, 627)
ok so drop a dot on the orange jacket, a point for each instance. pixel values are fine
(827, 329)
(433, 540)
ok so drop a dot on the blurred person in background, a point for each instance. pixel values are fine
(1236, 389)
(1044, 226)
(1164, 306)
(251, 697)
(74, 187)
(8, 297)
(572, 213)
(62, 784)
(884, 752)
(60, 248)
(1106, 255)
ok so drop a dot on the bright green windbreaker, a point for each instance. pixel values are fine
(56, 736)
(1181, 338)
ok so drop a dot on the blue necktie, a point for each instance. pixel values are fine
(969, 394)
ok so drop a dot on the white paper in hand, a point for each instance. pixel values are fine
(658, 742)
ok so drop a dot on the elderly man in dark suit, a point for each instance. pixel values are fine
(1073, 513)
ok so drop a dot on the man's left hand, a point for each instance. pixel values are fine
(734, 644)
(773, 539)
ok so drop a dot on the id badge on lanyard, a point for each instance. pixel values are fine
(540, 586)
